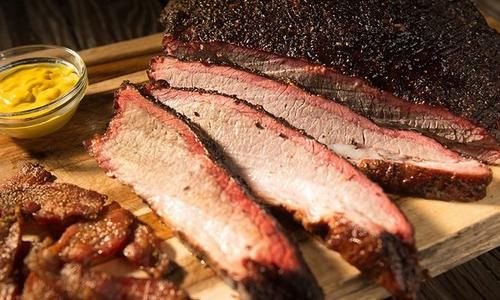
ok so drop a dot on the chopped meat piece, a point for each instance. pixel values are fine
(10, 249)
(55, 202)
(35, 288)
(147, 251)
(9, 291)
(34, 192)
(10, 242)
(94, 241)
(74, 281)
(29, 175)
(80, 283)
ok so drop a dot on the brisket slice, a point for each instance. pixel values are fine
(168, 163)
(401, 161)
(289, 169)
(35, 193)
(429, 65)
(95, 241)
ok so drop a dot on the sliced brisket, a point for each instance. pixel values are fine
(166, 161)
(288, 169)
(401, 161)
(427, 65)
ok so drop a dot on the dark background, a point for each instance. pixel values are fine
(77, 24)
(81, 24)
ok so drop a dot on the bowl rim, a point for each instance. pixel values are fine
(61, 101)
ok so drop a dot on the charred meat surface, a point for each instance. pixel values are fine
(73, 281)
(56, 275)
(174, 168)
(400, 161)
(94, 241)
(10, 249)
(80, 283)
(289, 169)
(30, 174)
(35, 288)
(9, 291)
(32, 191)
(404, 64)
(10, 242)
(35, 193)
(147, 251)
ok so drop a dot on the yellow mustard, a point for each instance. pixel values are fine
(31, 86)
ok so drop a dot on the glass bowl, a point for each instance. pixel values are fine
(51, 117)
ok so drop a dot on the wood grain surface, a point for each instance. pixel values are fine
(109, 65)
(77, 24)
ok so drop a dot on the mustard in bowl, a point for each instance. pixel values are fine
(40, 89)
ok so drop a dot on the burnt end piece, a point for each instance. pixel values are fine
(406, 179)
(10, 250)
(32, 192)
(35, 288)
(58, 202)
(75, 282)
(59, 280)
(147, 251)
(97, 240)
(10, 242)
(30, 174)
(35, 193)
(9, 291)
(78, 282)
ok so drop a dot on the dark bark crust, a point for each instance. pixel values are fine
(440, 53)
(407, 179)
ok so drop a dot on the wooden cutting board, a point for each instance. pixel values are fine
(447, 234)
